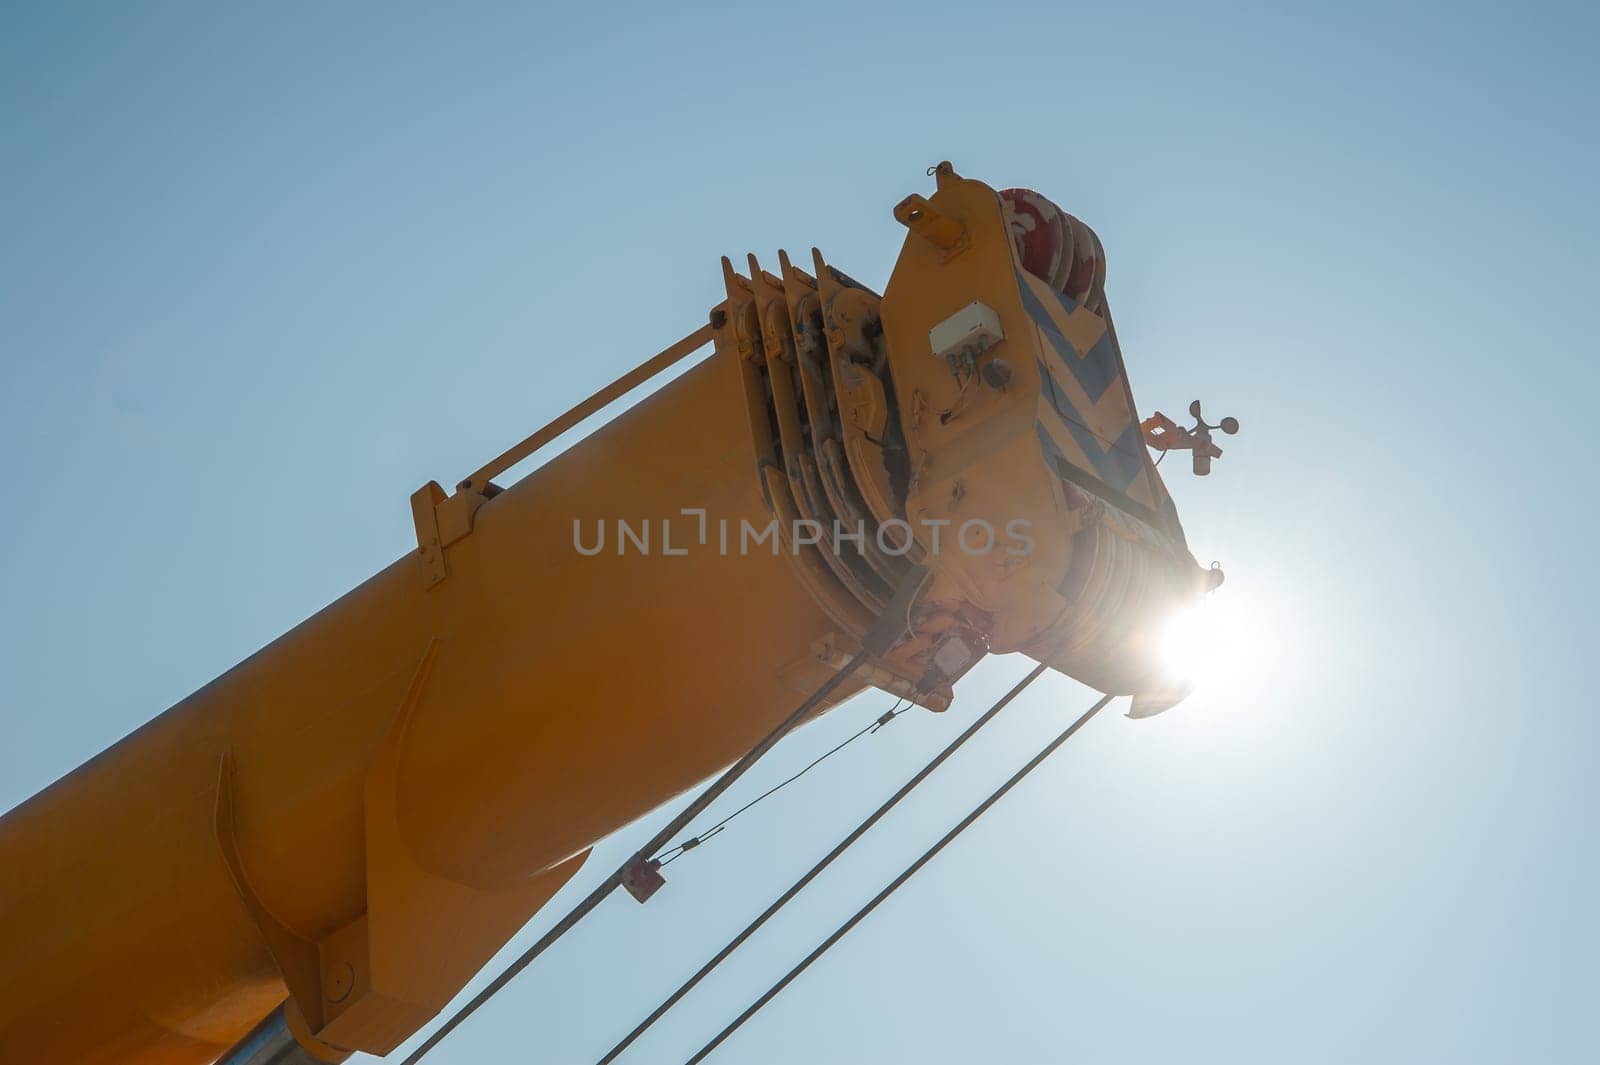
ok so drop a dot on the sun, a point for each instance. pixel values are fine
(1215, 644)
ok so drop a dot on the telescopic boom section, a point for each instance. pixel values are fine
(348, 824)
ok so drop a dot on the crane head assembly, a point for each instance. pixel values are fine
(976, 419)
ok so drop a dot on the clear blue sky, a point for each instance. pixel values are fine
(262, 273)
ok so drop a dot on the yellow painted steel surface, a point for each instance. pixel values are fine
(568, 695)
(360, 814)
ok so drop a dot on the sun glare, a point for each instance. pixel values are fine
(1214, 645)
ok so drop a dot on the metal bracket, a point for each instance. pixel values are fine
(834, 652)
(430, 546)
(939, 229)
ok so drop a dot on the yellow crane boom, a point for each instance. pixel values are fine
(350, 822)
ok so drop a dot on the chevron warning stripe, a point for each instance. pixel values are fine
(1086, 416)
(1058, 317)
(1117, 464)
